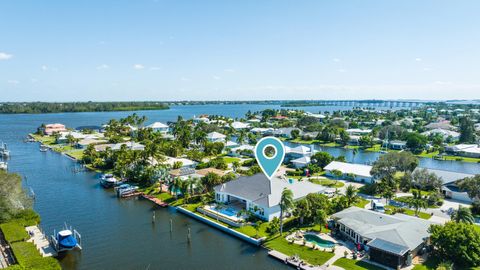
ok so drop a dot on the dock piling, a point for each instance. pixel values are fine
(189, 235)
(171, 225)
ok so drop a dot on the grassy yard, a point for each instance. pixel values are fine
(14, 231)
(76, 154)
(361, 202)
(327, 182)
(355, 265)
(28, 257)
(229, 160)
(314, 257)
(299, 140)
(389, 209)
(374, 148)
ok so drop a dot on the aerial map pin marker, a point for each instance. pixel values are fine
(269, 164)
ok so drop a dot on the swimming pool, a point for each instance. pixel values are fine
(227, 211)
(313, 238)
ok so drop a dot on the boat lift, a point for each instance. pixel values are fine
(66, 239)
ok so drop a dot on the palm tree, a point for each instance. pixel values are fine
(174, 186)
(417, 202)
(320, 218)
(463, 214)
(351, 195)
(286, 203)
(256, 226)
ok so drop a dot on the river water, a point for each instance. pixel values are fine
(119, 233)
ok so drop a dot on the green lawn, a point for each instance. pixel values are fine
(229, 160)
(422, 215)
(28, 257)
(76, 154)
(299, 140)
(328, 183)
(314, 257)
(14, 231)
(355, 265)
(361, 202)
(374, 148)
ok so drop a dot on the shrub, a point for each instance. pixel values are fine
(28, 257)
(14, 231)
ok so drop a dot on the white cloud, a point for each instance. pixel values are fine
(13, 82)
(5, 56)
(138, 66)
(44, 68)
(336, 60)
(215, 77)
(342, 70)
(155, 68)
(418, 59)
(229, 70)
(185, 79)
(426, 69)
(103, 66)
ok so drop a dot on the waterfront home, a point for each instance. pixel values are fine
(239, 125)
(464, 150)
(391, 240)
(184, 173)
(181, 162)
(450, 181)
(117, 146)
(83, 143)
(445, 133)
(243, 149)
(231, 144)
(52, 128)
(396, 145)
(358, 131)
(300, 151)
(301, 162)
(200, 119)
(260, 195)
(77, 135)
(315, 115)
(216, 137)
(350, 171)
(285, 132)
(159, 127)
(262, 131)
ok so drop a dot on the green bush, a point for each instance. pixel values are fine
(28, 217)
(14, 231)
(28, 256)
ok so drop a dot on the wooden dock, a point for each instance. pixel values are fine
(155, 200)
(41, 242)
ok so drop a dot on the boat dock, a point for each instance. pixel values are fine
(294, 262)
(41, 242)
(155, 200)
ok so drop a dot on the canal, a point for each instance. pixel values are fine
(119, 233)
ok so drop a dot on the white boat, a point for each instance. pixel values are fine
(3, 165)
(4, 152)
(108, 180)
(125, 189)
(43, 148)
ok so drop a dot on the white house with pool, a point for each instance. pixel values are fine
(259, 195)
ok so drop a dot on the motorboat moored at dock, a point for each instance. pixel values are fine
(3, 165)
(4, 152)
(126, 190)
(108, 180)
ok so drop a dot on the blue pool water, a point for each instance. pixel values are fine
(227, 211)
(312, 238)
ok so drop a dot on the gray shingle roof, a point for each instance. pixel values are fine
(388, 246)
(447, 176)
(264, 192)
(399, 229)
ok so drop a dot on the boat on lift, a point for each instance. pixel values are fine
(4, 152)
(124, 190)
(43, 148)
(108, 181)
(66, 239)
(3, 165)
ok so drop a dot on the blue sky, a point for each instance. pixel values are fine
(238, 50)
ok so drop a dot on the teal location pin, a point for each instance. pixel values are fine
(269, 162)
